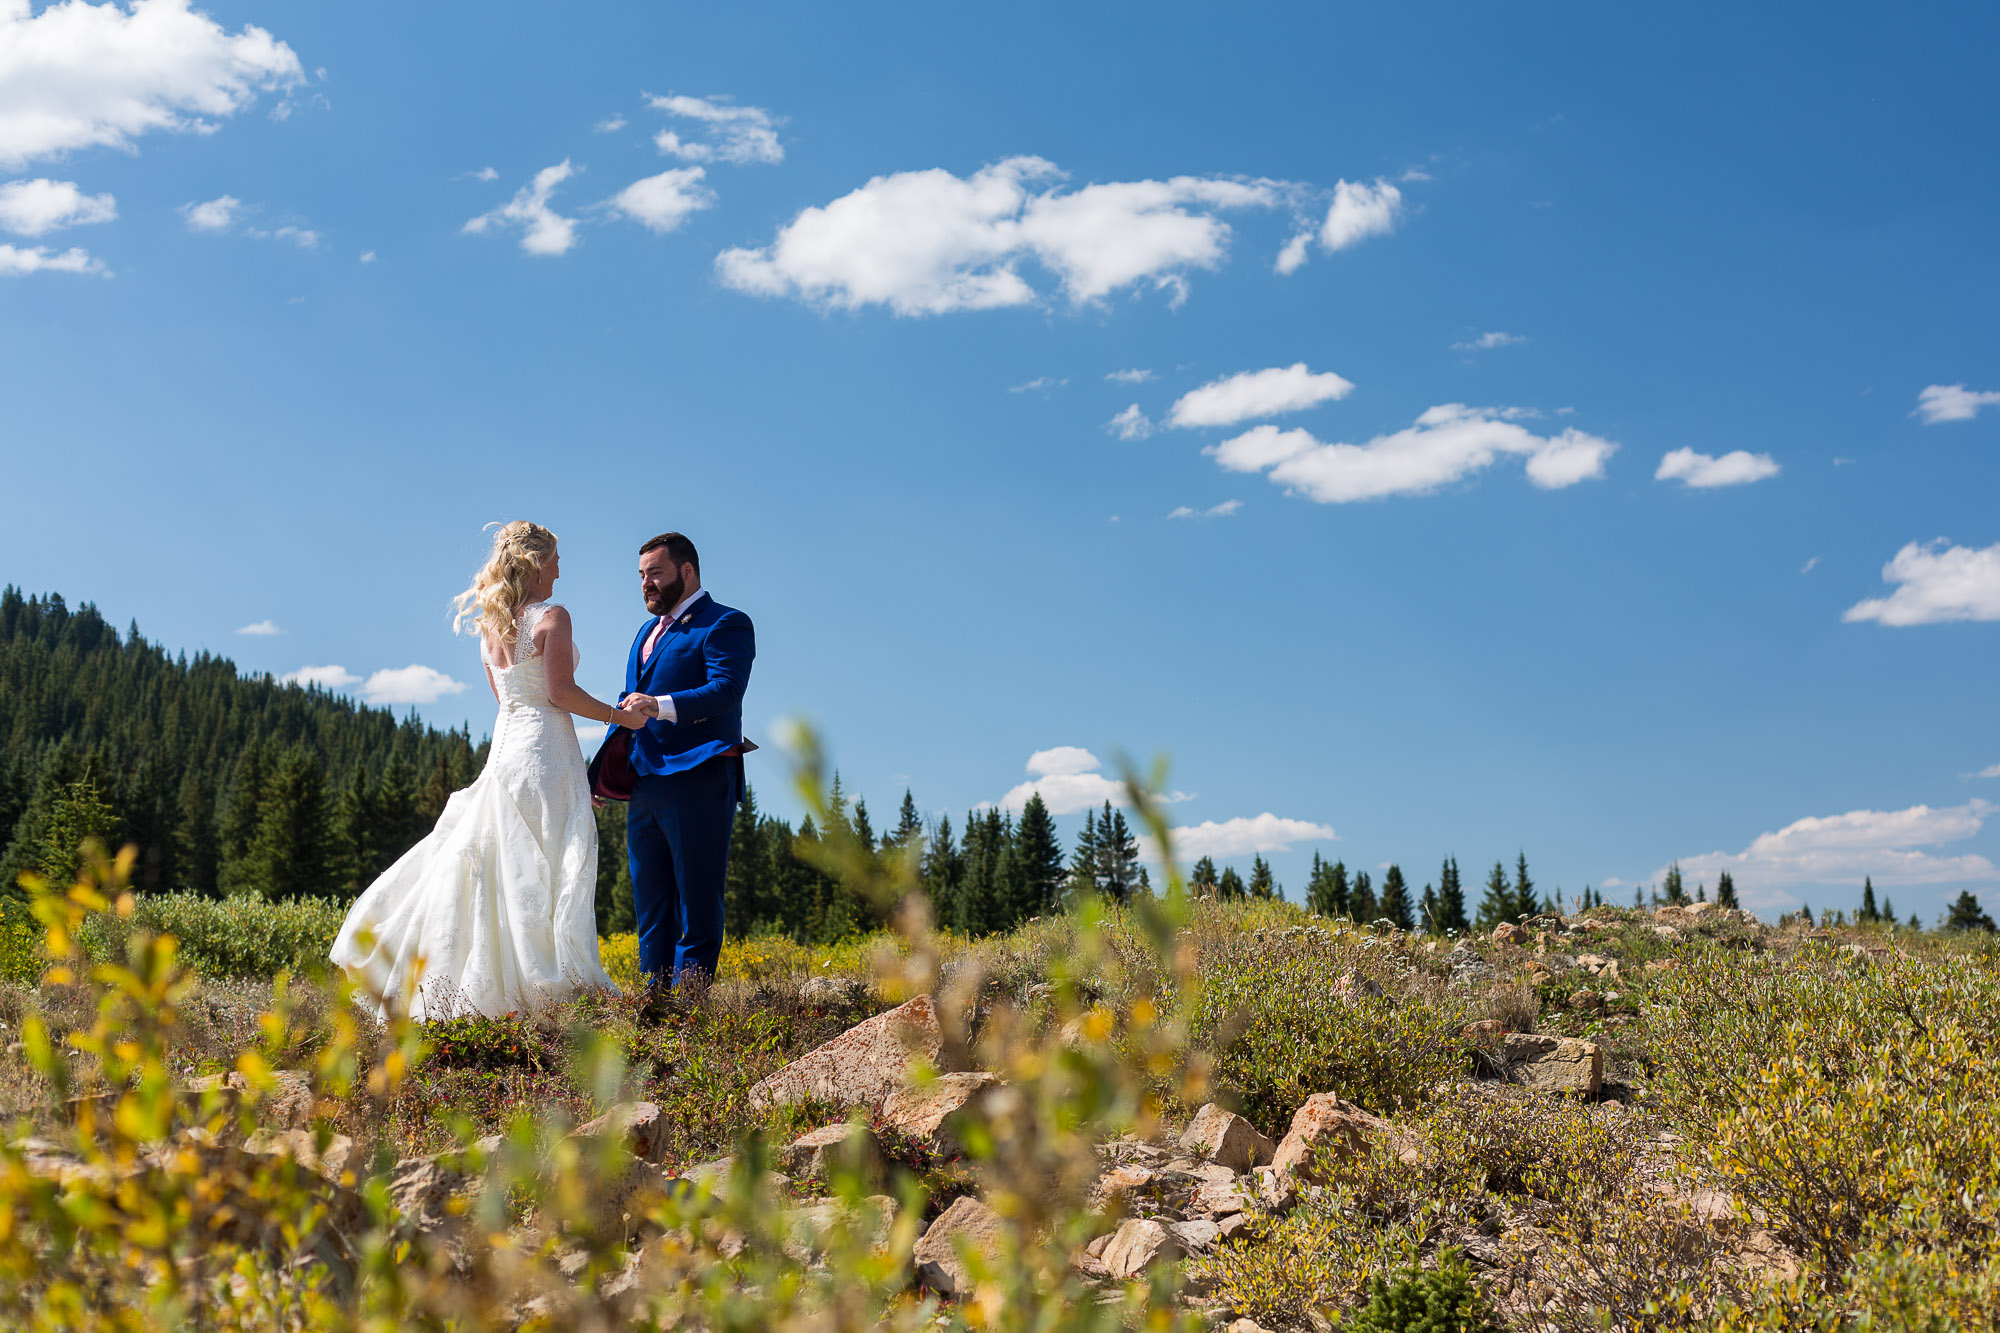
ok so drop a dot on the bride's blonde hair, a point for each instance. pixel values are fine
(500, 588)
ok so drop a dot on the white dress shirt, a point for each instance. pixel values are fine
(652, 645)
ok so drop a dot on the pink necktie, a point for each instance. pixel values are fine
(652, 641)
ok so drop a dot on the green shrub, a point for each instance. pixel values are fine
(1413, 1300)
(240, 936)
(1282, 1027)
(20, 942)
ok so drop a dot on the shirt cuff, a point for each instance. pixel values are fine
(667, 713)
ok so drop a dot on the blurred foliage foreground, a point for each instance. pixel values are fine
(1797, 1131)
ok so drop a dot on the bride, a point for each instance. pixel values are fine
(495, 911)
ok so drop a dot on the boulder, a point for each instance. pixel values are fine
(1509, 933)
(302, 1145)
(1118, 1182)
(1135, 1246)
(969, 1225)
(1226, 1139)
(819, 1154)
(1327, 1125)
(1218, 1200)
(1587, 1002)
(834, 992)
(1554, 1064)
(1485, 1031)
(860, 1067)
(925, 1113)
(1197, 1235)
(641, 1125)
(805, 1227)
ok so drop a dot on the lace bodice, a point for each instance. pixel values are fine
(523, 683)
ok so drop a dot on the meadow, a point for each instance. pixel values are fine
(1783, 1128)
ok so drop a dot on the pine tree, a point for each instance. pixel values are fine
(1525, 902)
(1498, 904)
(1888, 910)
(1725, 890)
(1083, 859)
(944, 874)
(864, 832)
(294, 852)
(1117, 855)
(1430, 911)
(1638, 897)
(1202, 879)
(745, 880)
(241, 816)
(1867, 916)
(1701, 892)
(1038, 859)
(358, 817)
(1396, 899)
(1261, 884)
(616, 912)
(79, 816)
(1966, 914)
(1805, 912)
(1915, 924)
(1361, 900)
(1327, 892)
(1451, 899)
(195, 851)
(1676, 891)
(1230, 889)
(909, 824)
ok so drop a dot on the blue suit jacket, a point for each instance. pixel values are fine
(703, 660)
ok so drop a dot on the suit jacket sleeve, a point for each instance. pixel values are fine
(729, 648)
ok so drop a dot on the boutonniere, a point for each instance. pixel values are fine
(687, 620)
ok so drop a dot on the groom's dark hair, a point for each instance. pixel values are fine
(679, 550)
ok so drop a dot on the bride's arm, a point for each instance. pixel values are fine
(558, 654)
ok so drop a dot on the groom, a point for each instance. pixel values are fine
(689, 665)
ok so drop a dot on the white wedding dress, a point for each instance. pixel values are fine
(497, 907)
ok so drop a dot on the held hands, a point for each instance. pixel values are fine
(643, 703)
(629, 717)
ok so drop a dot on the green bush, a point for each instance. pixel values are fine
(20, 942)
(240, 936)
(1282, 1027)
(1412, 1300)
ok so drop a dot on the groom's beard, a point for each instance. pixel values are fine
(668, 597)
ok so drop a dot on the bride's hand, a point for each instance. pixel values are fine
(625, 717)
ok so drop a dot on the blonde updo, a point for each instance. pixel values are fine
(500, 589)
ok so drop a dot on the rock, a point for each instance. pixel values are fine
(1118, 1182)
(421, 1190)
(1349, 985)
(836, 992)
(1135, 1246)
(969, 1225)
(643, 1127)
(1226, 1139)
(1326, 1125)
(1587, 1002)
(1245, 1325)
(1598, 965)
(805, 1227)
(303, 1146)
(1671, 934)
(1186, 1170)
(1554, 1064)
(1215, 1199)
(1197, 1235)
(1233, 1223)
(924, 1113)
(1663, 965)
(1509, 933)
(819, 1154)
(1276, 1189)
(860, 1067)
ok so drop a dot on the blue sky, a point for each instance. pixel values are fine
(1439, 429)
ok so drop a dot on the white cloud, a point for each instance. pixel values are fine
(29, 208)
(609, 125)
(79, 75)
(1990, 771)
(1884, 845)
(1487, 341)
(1939, 583)
(1807, 568)
(1446, 444)
(484, 174)
(263, 628)
(1131, 424)
(302, 237)
(929, 242)
(1952, 402)
(367, 256)
(1223, 510)
(1242, 837)
(1738, 467)
(1358, 211)
(1129, 376)
(1257, 393)
(215, 215)
(16, 261)
(735, 133)
(661, 203)
(1067, 776)
(326, 677)
(409, 685)
(1038, 384)
(543, 230)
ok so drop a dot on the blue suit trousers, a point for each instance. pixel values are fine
(677, 832)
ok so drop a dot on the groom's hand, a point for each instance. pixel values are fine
(643, 703)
